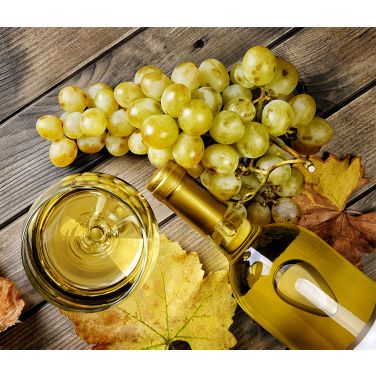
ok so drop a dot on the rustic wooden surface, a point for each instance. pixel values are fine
(337, 67)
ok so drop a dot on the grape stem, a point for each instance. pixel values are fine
(259, 102)
(265, 175)
(285, 147)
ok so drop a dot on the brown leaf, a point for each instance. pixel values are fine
(11, 304)
(323, 201)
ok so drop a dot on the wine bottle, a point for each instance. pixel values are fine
(285, 277)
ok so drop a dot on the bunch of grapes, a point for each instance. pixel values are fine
(242, 133)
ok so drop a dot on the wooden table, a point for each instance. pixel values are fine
(337, 67)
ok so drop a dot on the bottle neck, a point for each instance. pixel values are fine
(209, 216)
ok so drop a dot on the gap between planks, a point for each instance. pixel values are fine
(83, 65)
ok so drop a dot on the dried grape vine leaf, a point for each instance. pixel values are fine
(323, 203)
(336, 179)
(175, 304)
(11, 304)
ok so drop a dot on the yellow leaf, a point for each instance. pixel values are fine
(174, 304)
(335, 179)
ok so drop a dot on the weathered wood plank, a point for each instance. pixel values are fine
(366, 204)
(32, 60)
(47, 329)
(333, 63)
(355, 133)
(24, 164)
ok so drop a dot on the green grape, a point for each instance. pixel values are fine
(249, 183)
(317, 133)
(195, 117)
(187, 74)
(273, 149)
(50, 127)
(105, 101)
(205, 178)
(72, 99)
(243, 107)
(159, 131)
(255, 140)
(136, 144)
(227, 128)
(214, 74)
(277, 116)
(118, 125)
(235, 91)
(304, 107)
(127, 92)
(224, 186)
(188, 150)
(62, 152)
(145, 70)
(285, 80)
(173, 98)
(259, 214)
(91, 144)
(153, 85)
(63, 116)
(293, 185)
(71, 126)
(211, 97)
(197, 170)
(92, 91)
(237, 76)
(141, 109)
(158, 157)
(259, 65)
(221, 159)
(117, 146)
(279, 175)
(93, 122)
(238, 209)
(286, 210)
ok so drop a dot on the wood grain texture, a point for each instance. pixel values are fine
(24, 163)
(334, 63)
(47, 329)
(355, 133)
(33, 60)
(367, 204)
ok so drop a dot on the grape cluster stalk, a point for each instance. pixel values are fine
(243, 133)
